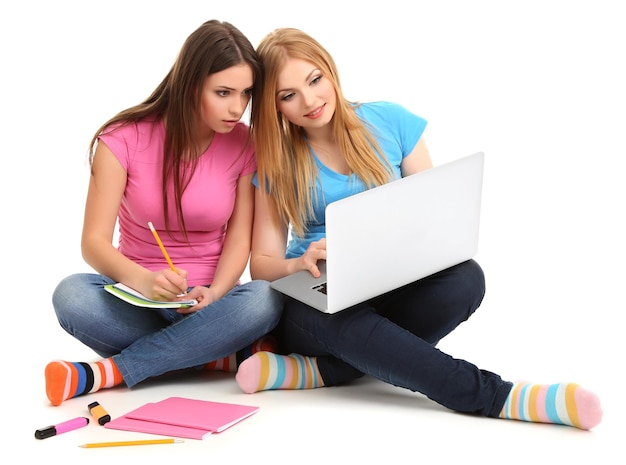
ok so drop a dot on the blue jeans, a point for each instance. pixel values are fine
(394, 336)
(149, 342)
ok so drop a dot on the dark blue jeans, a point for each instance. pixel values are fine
(394, 336)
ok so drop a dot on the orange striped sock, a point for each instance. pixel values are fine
(564, 403)
(266, 371)
(65, 380)
(233, 361)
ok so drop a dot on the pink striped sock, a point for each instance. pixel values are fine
(267, 371)
(563, 403)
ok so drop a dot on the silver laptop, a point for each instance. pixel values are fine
(389, 236)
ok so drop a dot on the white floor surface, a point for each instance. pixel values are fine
(537, 85)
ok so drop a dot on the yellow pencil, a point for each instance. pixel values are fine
(165, 254)
(132, 443)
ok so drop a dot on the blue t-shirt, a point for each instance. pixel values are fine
(397, 131)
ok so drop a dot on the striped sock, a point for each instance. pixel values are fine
(265, 371)
(65, 380)
(564, 403)
(231, 362)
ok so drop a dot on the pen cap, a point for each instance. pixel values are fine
(45, 432)
(98, 412)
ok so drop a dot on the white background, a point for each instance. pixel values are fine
(537, 85)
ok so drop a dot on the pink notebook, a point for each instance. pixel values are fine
(140, 426)
(195, 414)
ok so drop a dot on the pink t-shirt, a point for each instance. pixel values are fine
(207, 202)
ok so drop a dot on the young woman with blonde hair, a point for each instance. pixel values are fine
(315, 147)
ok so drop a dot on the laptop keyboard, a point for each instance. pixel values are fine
(320, 288)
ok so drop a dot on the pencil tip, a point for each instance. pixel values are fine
(179, 440)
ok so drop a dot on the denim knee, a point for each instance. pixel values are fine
(267, 304)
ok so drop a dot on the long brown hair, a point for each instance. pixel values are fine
(286, 170)
(213, 47)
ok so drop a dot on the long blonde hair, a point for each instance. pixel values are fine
(286, 170)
